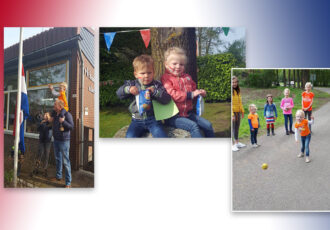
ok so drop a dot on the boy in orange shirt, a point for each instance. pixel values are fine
(307, 101)
(62, 97)
(301, 127)
(254, 124)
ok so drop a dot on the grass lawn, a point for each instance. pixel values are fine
(258, 97)
(114, 118)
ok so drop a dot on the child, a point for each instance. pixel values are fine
(301, 127)
(237, 112)
(307, 102)
(143, 120)
(254, 124)
(45, 136)
(286, 106)
(62, 97)
(270, 114)
(183, 90)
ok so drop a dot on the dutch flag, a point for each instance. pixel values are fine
(24, 113)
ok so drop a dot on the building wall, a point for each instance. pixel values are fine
(89, 91)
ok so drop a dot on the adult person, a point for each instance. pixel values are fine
(62, 141)
(237, 113)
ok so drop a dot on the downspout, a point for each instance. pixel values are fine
(81, 107)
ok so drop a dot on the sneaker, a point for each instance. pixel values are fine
(258, 145)
(291, 132)
(255, 146)
(287, 133)
(307, 160)
(235, 148)
(240, 145)
(67, 186)
(300, 155)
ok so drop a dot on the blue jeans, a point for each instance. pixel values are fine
(193, 124)
(138, 128)
(308, 114)
(61, 150)
(254, 136)
(305, 144)
(286, 118)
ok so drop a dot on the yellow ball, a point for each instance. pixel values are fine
(264, 166)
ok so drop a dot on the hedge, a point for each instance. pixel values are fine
(214, 73)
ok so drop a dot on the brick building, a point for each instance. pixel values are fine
(51, 57)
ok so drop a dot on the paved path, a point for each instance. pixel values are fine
(289, 183)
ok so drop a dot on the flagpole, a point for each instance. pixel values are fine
(18, 106)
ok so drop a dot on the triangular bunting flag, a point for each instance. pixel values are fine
(225, 30)
(108, 37)
(146, 37)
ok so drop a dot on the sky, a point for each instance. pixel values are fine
(11, 34)
(234, 34)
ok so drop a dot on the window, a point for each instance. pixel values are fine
(40, 97)
(40, 101)
(49, 75)
(12, 109)
(10, 82)
(5, 111)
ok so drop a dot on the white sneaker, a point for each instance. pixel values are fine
(240, 145)
(307, 160)
(255, 146)
(300, 155)
(234, 148)
(258, 145)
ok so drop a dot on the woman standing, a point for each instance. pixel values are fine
(237, 113)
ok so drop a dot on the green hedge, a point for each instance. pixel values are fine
(214, 76)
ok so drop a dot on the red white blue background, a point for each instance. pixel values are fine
(166, 184)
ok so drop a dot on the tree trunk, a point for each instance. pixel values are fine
(284, 77)
(277, 78)
(294, 78)
(289, 77)
(163, 38)
(305, 77)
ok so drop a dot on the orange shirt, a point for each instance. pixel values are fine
(304, 127)
(62, 97)
(254, 120)
(307, 99)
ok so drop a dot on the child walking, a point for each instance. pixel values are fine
(254, 124)
(270, 114)
(183, 90)
(301, 127)
(237, 113)
(286, 106)
(62, 97)
(307, 102)
(144, 87)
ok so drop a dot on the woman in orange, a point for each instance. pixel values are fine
(301, 127)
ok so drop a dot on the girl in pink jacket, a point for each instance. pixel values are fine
(286, 106)
(183, 90)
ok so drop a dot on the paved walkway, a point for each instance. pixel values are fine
(289, 183)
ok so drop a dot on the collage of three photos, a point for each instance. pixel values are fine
(166, 82)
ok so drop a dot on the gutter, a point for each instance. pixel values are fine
(81, 143)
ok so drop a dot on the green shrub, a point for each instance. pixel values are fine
(260, 79)
(214, 76)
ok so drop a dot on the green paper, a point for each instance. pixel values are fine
(163, 112)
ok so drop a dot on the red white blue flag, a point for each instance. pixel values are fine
(24, 113)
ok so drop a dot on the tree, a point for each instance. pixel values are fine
(163, 38)
(238, 48)
(284, 77)
(208, 40)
